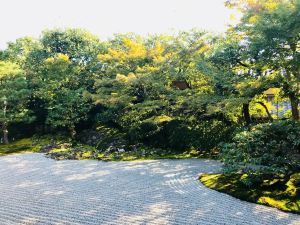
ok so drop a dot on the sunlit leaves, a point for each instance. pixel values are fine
(9, 70)
(14, 93)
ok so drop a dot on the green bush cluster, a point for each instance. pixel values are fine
(103, 138)
(180, 135)
(269, 148)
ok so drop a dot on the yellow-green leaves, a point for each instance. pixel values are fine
(124, 79)
(58, 58)
(9, 69)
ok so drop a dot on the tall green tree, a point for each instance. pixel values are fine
(271, 30)
(64, 63)
(236, 77)
(14, 94)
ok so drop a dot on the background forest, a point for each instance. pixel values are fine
(194, 92)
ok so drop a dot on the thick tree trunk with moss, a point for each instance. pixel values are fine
(5, 133)
(246, 113)
(295, 107)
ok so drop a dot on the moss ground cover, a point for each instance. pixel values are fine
(87, 152)
(20, 146)
(60, 148)
(280, 191)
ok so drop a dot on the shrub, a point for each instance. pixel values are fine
(209, 134)
(103, 138)
(269, 148)
(170, 134)
(180, 135)
(143, 132)
(175, 135)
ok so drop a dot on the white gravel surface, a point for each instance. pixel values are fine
(38, 190)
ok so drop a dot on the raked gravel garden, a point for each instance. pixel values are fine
(38, 190)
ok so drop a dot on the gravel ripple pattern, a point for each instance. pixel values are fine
(38, 190)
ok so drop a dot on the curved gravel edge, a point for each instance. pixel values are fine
(39, 190)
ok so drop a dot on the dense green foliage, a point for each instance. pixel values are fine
(270, 147)
(15, 93)
(193, 91)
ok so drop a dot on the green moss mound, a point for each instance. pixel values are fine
(26, 145)
(279, 191)
(19, 146)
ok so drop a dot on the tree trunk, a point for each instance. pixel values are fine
(72, 132)
(267, 110)
(5, 133)
(246, 113)
(295, 106)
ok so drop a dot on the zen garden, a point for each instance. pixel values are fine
(194, 127)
